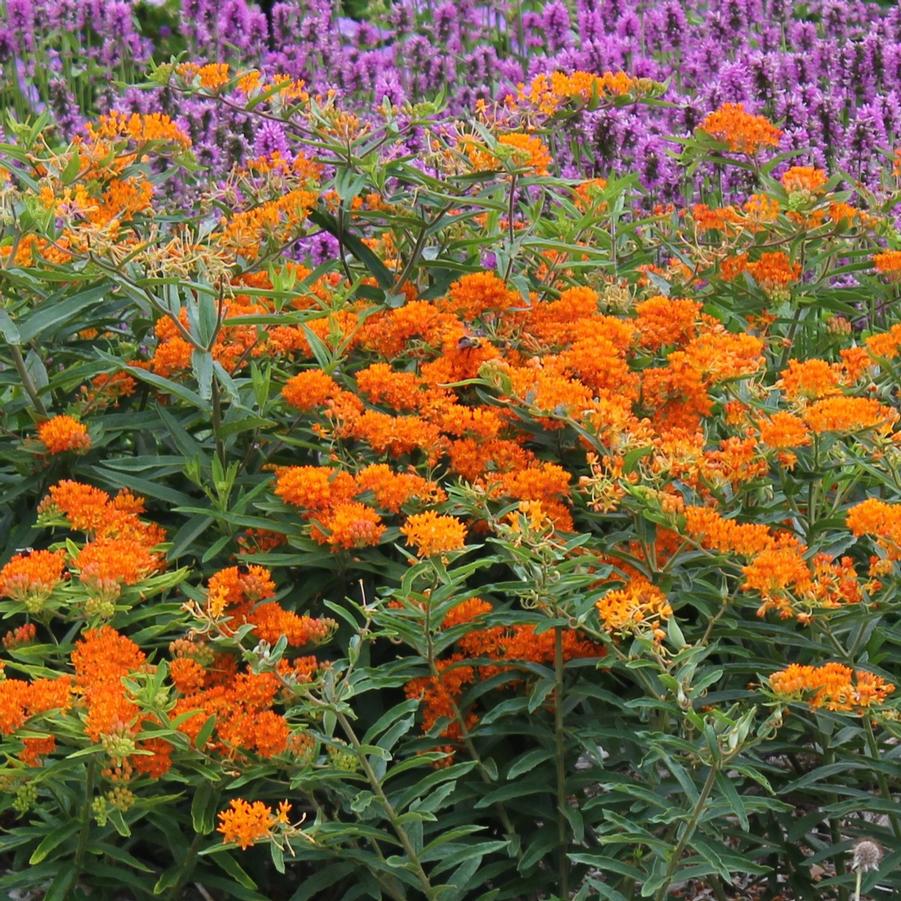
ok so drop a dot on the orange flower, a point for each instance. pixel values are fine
(849, 414)
(740, 131)
(587, 194)
(156, 763)
(88, 509)
(244, 823)
(888, 263)
(549, 91)
(716, 533)
(350, 525)
(880, 520)
(431, 534)
(809, 379)
(667, 320)
(803, 179)
(886, 345)
(638, 605)
(314, 487)
(64, 433)
(106, 564)
(30, 578)
(783, 430)
(211, 76)
(774, 271)
(394, 489)
(36, 748)
(271, 622)
(832, 686)
(778, 574)
(529, 151)
(310, 389)
(101, 658)
(238, 586)
(139, 127)
(478, 292)
(19, 636)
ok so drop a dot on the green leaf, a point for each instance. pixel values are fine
(53, 312)
(53, 840)
(202, 366)
(278, 857)
(203, 736)
(375, 266)
(167, 386)
(62, 883)
(8, 329)
(234, 869)
(528, 761)
(204, 802)
(724, 783)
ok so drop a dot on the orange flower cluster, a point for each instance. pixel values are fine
(138, 127)
(241, 704)
(879, 520)
(832, 686)
(122, 549)
(504, 646)
(29, 578)
(783, 430)
(64, 433)
(210, 75)
(244, 823)
(431, 534)
(22, 635)
(548, 92)
(309, 389)
(244, 595)
(810, 379)
(102, 658)
(233, 345)
(804, 180)
(779, 567)
(637, 606)
(587, 194)
(888, 263)
(774, 271)
(19, 700)
(275, 221)
(849, 414)
(886, 345)
(740, 131)
(529, 151)
(328, 497)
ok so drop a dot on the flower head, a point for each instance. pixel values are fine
(432, 534)
(740, 131)
(64, 433)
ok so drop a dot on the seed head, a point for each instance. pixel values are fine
(867, 855)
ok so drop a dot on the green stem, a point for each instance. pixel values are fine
(217, 422)
(187, 866)
(427, 888)
(560, 757)
(86, 814)
(835, 831)
(873, 747)
(27, 382)
(690, 828)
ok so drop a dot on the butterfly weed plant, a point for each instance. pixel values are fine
(398, 517)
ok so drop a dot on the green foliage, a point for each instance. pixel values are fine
(482, 719)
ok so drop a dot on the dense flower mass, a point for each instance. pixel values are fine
(63, 433)
(476, 422)
(832, 686)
